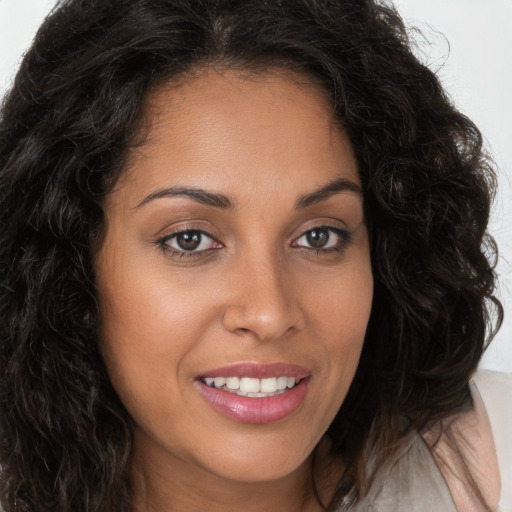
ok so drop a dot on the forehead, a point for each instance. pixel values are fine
(266, 130)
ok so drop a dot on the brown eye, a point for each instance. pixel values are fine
(323, 239)
(318, 238)
(189, 241)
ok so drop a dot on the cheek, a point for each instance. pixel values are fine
(343, 304)
(341, 317)
(148, 327)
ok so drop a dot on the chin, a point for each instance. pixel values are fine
(244, 471)
(259, 460)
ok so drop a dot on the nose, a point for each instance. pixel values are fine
(264, 301)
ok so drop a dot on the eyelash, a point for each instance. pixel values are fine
(163, 243)
(345, 238)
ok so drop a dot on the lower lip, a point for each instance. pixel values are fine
(256, 410)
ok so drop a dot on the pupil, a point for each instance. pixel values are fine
(189, 240)
(317, 238)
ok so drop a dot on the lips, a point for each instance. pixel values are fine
(255, 393)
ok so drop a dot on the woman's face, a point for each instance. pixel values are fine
(236, 255)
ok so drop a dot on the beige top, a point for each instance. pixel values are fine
(410, 482)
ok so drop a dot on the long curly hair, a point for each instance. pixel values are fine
(66, 127)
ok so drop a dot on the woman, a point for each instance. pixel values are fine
(244, 265)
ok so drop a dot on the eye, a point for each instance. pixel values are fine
(189, 241)
(323, 238)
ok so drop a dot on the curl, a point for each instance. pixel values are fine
(67, 127)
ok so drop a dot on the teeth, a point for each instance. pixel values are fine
(219, 381)
(268, 385)
(282, 382)
(233, 383)
(247, 386)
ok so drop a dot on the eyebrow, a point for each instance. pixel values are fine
(218, 200)
(335, 186)
(198, 194)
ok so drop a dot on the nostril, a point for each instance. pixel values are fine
(242, 330)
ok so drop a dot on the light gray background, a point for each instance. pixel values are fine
(470, 46)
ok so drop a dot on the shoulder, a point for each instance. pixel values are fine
(408, 481)
(495, 389)
(465, 449)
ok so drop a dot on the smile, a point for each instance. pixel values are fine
(252, 387)
(255, 393)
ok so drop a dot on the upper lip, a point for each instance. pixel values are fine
(258, 371)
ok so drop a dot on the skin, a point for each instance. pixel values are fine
(255, 291)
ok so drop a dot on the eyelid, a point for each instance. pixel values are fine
(162, 242)
(344, 238)
(344, 235)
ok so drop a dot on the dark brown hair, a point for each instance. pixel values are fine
(66, 127)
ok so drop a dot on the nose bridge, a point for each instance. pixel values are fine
(264, 302)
